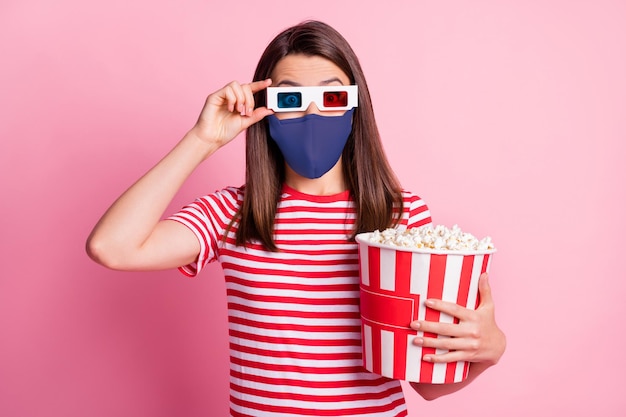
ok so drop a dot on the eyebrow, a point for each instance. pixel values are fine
(289, 83)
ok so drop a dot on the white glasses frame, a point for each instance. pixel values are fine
(310, 94)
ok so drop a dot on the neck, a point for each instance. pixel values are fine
(328, 184)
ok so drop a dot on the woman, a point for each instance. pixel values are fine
(285, 239)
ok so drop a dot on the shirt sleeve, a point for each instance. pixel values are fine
(208, 218)
(416, 212)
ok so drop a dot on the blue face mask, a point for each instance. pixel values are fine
(311, 145)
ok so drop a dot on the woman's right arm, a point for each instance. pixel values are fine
(131, 235)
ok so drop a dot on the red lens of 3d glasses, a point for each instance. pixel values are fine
(335, 98)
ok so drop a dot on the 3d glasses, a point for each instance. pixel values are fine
(326, 98)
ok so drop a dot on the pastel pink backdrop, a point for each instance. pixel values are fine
(507, 117)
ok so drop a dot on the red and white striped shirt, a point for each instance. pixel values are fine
(294, 322)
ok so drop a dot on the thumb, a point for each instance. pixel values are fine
(484, 289)
(257, 115)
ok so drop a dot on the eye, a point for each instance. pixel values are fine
(335, 98)
(289, 100)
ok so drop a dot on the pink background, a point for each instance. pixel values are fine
(507, 117)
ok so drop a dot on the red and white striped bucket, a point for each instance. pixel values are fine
(395, 281)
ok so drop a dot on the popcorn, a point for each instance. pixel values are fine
(438, 237)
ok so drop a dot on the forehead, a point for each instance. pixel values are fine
(305, 70)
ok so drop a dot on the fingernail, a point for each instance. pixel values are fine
(428, 358)
(418, 341)
(429, 303)
(415, 325)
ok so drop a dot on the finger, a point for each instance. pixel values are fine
(447, 343)
(447, 307)
(245, 94)
(253, 88)
(448, 349)
(452, 356)
(240, 97)
(249, 100)
(257, 86)
(230, 97)
(257, 115)
(434, 328)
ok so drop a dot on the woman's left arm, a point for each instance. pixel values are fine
(475, 338)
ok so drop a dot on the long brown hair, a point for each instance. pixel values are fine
(370, 180)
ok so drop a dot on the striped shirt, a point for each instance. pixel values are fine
(294, 322)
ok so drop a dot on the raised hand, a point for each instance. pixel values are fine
(229, 111)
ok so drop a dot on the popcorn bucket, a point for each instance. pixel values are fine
(395, 282)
